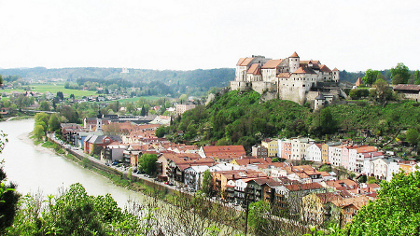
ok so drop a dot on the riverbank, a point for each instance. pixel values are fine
(212, 212)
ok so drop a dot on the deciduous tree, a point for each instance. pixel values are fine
(395, 212)
(400, 74)
(147, 163)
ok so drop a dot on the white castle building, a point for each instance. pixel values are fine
(288, 79)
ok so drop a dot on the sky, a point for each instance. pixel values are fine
(193, 34)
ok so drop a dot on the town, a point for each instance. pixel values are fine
(239, 178)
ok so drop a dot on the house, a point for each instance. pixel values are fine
(285, 148)
(261, 163)
(259, 151)
(313, 152)
(222, 153)
(177, 164)
(94, 144)
(357, 154)
(221, 178)
(317, 208)
(349, 207)
(132, 153)
(409, 91)
(181, 108)
(69, 131)
(291, 195)
(271, 145)
(193, 177)
(299, 146)
(114, 152)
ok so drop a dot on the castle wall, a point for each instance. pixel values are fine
(261, 86)
(294, 94)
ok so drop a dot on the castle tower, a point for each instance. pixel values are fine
(99, 121)
(294, 62)
(336, 75)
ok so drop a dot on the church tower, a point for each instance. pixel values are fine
(99, 121)
(294, 62)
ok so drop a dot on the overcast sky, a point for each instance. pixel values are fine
(183, 35)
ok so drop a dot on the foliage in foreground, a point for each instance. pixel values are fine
(395, 212)
(76, 213)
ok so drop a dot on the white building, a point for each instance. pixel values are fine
(334, 155)
(193, 177)
(289, 79)
(313, 152)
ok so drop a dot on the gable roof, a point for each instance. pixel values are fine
(325, 69)
(298, 187)
(254, 69)
(244, 61)
(407, 87)
(304, 70)
(232, 151)
(271, 64)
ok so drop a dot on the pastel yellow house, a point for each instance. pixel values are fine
(272, 146)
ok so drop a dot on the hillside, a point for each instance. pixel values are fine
(195, 82)
(240, 118)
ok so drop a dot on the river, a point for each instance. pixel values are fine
(38, 169)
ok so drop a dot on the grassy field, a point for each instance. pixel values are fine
(54, 88)
(59, 87)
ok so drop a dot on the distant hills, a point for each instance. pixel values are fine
(193, 82)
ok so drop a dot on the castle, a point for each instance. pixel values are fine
(288, 79)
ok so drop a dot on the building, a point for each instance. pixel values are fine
(409, 91)
(313, 153)
(222, 153)
(271, 145)
(181, 108)
(288, 79)
(259, 151)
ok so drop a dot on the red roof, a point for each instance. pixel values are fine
(254, 69)
(244, 61)
(271, 64)
(232, 151)
(325, 69)
(294, 55)
(303, 70)
(297, 187)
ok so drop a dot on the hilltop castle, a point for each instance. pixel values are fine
(288, 79)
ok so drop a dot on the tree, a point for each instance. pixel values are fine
(370, 76)
(382, 90)
(395, 212)
(412, 136)
(8, 195)
(160, 132)
(72, 96)
(44, 106)
(416, 77)
(53, 123)
(42, 119)
(143, 111)
(207, 183)
(400, 74)
(147, 163)
(39, 132)
(60, 95)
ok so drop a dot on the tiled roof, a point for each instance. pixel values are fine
(325, 69)
(407, 87)
(297, 187)
(294, 55)
(283, 75)
(232, 151)
(244, 61)
(271, 64)
(254, 69)
(304, 70)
